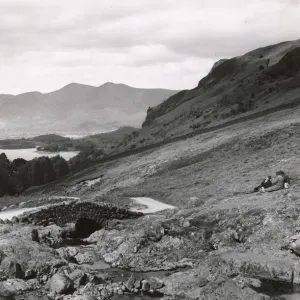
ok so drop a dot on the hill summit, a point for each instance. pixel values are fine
(260, 80)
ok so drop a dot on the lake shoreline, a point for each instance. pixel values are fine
(31, 153)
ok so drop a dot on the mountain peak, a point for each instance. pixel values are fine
(110, 84)
(75, 84)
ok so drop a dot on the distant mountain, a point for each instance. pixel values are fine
(77, 108)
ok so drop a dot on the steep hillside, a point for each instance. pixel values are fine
(77, 108)
(259, 80)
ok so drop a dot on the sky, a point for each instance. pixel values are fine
(47, 44)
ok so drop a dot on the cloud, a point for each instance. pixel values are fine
(46, 44)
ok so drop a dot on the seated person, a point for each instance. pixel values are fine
(286, 178)
(278, 184)
(265, 184)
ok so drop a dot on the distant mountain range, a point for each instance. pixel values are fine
(77, 109)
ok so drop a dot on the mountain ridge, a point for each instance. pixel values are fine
(108, 83)
(233, 86)
(77, 108)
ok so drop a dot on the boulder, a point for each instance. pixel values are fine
(130, 282)
(13, 287)
(72, 251)
(137, 284)
(260, 266)
(11, 268)
(51, 234)
(61, 284)
(78, 277)
(145, 286)
(29, 274)
(4, 208)
(155, 283)
(194, 202)
(84, 258)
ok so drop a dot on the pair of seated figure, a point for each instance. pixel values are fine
(281, 181)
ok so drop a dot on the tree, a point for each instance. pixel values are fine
(22, 179)
(41, 171)
(18, 162)
(4, 181)
(60, 166)
(47, 169)
(80, 161)
(35, 173)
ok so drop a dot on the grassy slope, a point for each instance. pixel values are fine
(225, 163)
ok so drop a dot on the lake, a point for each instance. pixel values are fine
(31, 153)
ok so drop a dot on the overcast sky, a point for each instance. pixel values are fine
(46, 44)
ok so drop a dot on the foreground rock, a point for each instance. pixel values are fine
(61, 284)
(194, 253)
(13, 287)
(23, 258)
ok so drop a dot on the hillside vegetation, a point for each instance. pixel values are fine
(260, 82)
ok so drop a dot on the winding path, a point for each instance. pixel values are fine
(153, 206)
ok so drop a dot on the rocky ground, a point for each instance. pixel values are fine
(221, 242)
(206, 251)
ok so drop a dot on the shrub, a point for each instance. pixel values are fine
(261, 67)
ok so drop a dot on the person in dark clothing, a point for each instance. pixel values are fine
(282, 181)
(277, 185)
(265, 184)
(286, 179)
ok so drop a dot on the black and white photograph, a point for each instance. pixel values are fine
(149, 149)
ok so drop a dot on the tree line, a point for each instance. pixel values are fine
(18, 175)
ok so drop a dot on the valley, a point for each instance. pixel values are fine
(200, 231)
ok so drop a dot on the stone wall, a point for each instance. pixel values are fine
(73, 211)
